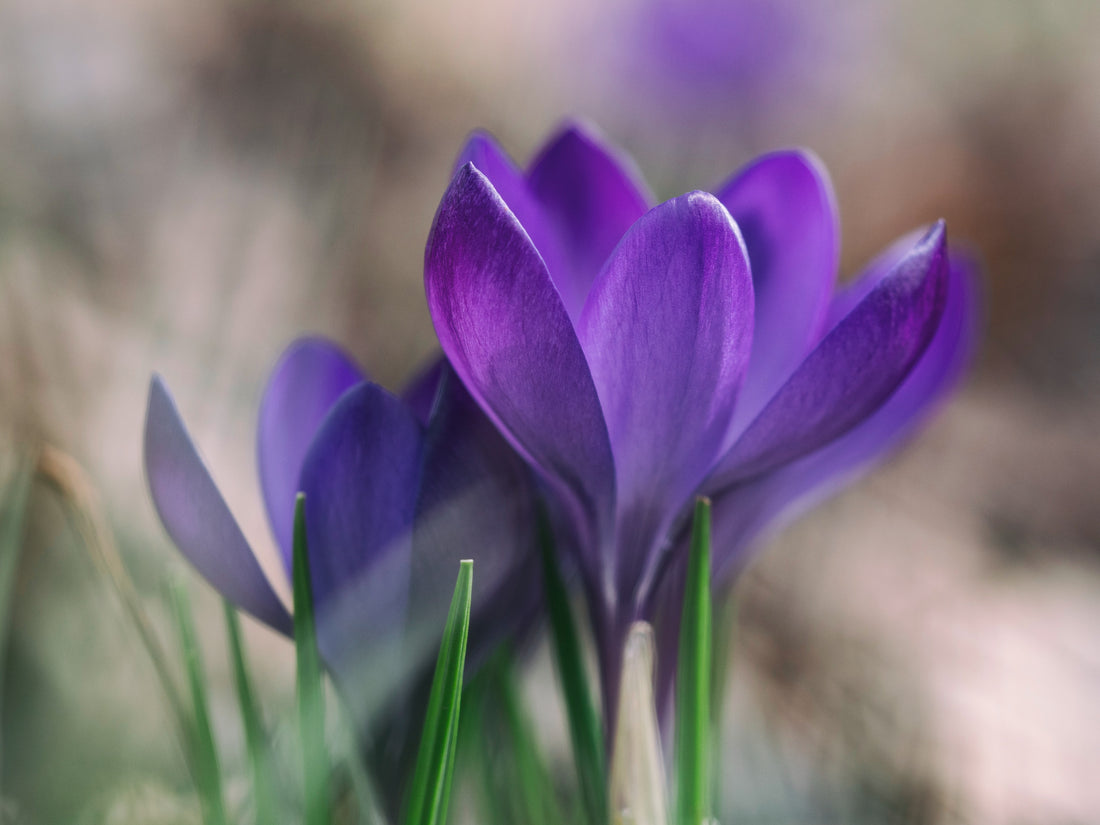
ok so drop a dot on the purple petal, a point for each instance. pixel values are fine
(590, 198)
(511, 184)
(196, 516)
(504, 329)
(360, 478)
(784, 205)
(667, 331)
(310, 376)
(420, 393)
(744, 511)
(847, 297)
(854, 369)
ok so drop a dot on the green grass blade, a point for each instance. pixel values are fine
(84, 515)
(693, 680)
(12, 518)
(205, 754)
(311, 697)
(725, 639)
(429, 794)
(538, 800)
(584, 724)
(263, 788)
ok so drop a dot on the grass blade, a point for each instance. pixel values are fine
(693, 680)
(206, 768)
(311, 697)
(584, 724)
(538, 801)
(725, 639)
(429, 794)
(263, 788)
(12, 518)
(85, 515)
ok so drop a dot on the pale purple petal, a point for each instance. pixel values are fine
(360, 478)
(310, 376)
(590, 198)
(854, 369)
(784, 205)
(667, 331)
(196, 516)
(503, 327)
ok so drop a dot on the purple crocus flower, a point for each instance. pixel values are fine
(637, 356)
(397, 491)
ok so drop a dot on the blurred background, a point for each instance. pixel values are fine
(186, 187)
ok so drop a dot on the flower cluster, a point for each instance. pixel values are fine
(633, 356)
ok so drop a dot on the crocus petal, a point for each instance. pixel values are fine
(503, 327)
(310, 376)
(847, 297)
(196, 515)
(590, 197)
(420, 393)
(667, 331)
(854, 369)
(476, 502)
(360, 478)
(744, 512)
(747, 510)
(784, 205)
(511, 184)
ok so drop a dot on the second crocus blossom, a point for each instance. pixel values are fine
(637, 356)
(397, 491)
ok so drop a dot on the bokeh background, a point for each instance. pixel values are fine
(186, 187)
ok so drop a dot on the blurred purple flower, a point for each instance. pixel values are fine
(729, 64)
(397, 491)
(716, 51)
(637, 356)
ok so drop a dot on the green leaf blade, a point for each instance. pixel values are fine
(693, 680)
(13, 510)
(206, 767)
(263, 788)
(585, 729)
(429, 795)
(310, 682)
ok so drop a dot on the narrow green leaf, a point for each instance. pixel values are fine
(474, 734)
(584, 724)
(538, 801)
(515, 782)
(205, 754)
(693, 680)
(362, 789)
(84, 514)
(311, 697)
(429, 794)
(12, 518)
(263, 788)
(725, 638)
